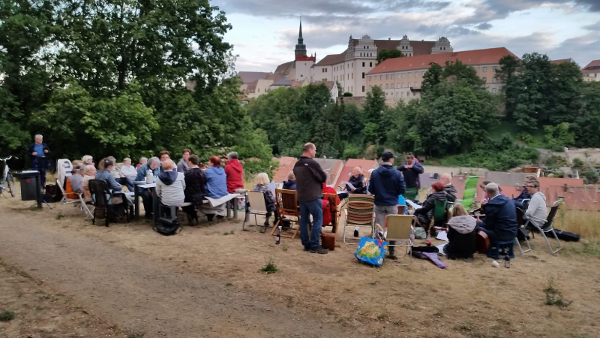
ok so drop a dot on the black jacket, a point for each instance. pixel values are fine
(358, 184)
(386, 184)
(31, 148)
(426, 212)
(451, 192)
(411, 176)
(501, 217)
(309, 179)
(461, 246)
(195, 182)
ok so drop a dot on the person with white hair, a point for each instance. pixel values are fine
(500, 222)
(87, 160)
(152, 165)
(170, 185)
(449, 189)
(39, 151)
(262, 185)
(234, 172)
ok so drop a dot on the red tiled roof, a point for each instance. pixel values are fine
(353, 163)
(592, 67)
(286, 165)
(249, 77)
(558, 62)
(471, 57)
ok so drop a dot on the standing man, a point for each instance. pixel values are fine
(411, 171)
(184, 163)
(309, 185)
(386, 184)
(38, 151)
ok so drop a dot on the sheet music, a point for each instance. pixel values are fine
(351, 186)
(442, 236)
(413, 204)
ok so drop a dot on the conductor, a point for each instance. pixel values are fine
(38, 151)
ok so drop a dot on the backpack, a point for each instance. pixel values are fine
(52, 193)
(567, 236)
(167, 227)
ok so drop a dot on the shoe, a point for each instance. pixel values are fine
(356, 234)
(307, 248)
(320, 250)
(210, 217)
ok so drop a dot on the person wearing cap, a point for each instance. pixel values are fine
(425, 213)
(386, 184)
(411, 171)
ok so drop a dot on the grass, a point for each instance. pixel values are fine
(135, 335)
(553, 296)
(584, 223)
(229, 233)
(269, 267)
(6, 316)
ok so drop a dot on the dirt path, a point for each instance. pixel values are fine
(142, 295)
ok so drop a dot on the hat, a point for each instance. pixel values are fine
(387, 155)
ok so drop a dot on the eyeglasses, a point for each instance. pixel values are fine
(531, 186)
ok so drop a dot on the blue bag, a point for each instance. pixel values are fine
(371, 251)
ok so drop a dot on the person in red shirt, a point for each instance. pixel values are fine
(235, 173)
(326, 206)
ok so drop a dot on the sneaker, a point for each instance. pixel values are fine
(307, 248)
(319, 249)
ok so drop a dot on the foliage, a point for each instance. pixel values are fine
(553, 296)
(385, 54)
(6, 316)
(374, 109)
(270, 267)
(111, 78)
(347, 94)
(587, 120)
(432, 77)
(577, 162)
(559, 136)
(455, 71)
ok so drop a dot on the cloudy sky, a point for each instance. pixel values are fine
(265, 31)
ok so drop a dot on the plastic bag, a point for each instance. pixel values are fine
(420, 233)
(371, 251)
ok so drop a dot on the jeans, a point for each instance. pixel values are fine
(314, 208)
(42, 170)
(128, 182)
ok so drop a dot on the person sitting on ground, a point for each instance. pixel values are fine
(184, 163)
(216, 187)
(89, 173)
(87, 160)
(142, 161)
(424, 215)
(500, 222)
(153, 166)
(73, 185)
(356, 183)
(449, 188)
(235, 173)
(524, 195)
(195, 188)
(536, 210)
(262, 185)
(412, 171)
(462, 237)
(290, 184)
(129, 174)
(170, 185)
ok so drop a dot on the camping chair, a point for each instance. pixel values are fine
(547, 228)
(335, 211)
(411, 194)
(101, 196)
(439, 213)
(79, 201)
(287, 205)
(256, 199)
(64, 169)
(521, 223)
(398, 230)
(359, 213)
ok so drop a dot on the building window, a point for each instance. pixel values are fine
(485, 79)
(363, 64)
(494, 90)
(485, 69)
(370, 78)
(393, 76)
(416, 74)
(352, 76)
(387, 86)
(402, 85)
(494, 68)
(348, 76)
(387, 76)
(370, 64)
(402, 75)
(363, 75)
(363, 89)
(494, 80)
(409, 74)
(380, 77)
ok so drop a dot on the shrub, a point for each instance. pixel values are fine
(269, 267)
(6, 316)
(347, 94)
(577, 162)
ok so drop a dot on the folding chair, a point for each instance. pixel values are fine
(547, 228)
(79, 201)
(287, 205)
(359, 213)
(257, 206)
(521, 223)
(398, 230)
(64, 169)
(439, 214)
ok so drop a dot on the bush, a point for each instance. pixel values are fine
(577, 162)
(347, 94)
(6, 316)
(352, 151)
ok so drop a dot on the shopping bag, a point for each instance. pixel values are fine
(371, 251)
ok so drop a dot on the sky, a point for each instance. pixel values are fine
(264, 32)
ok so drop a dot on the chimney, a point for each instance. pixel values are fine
(389, 39)
(565, 188)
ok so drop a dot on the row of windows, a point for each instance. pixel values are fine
(366, 54)
(484, 69)
(494, 80)
(400, 85)
(399, 75)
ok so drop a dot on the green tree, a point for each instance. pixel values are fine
(432, 77)
(565, 94)
(587, 120)
(385, 54)
(374, 110)
(559, 136)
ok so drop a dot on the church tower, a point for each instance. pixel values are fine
(300, 47)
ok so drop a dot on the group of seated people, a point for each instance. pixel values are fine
(175, 184)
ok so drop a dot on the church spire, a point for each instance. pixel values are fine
(300, 47)
(300, 39)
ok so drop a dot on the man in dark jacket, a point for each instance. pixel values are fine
(500, 222)
(411, 171)
(39, 151)
(449, 189)
(356, 183)
(309, 186)
(386, 184)
(524, 195)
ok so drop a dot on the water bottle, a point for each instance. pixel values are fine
(278, 238)
(149, 177)
(356, 234)
(506, 261)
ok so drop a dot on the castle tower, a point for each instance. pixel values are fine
(300, 47)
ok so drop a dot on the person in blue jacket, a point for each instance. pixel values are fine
(39, 153)
(500, 222)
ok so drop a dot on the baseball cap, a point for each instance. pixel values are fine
(387, 155)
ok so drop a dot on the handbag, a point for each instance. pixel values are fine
(371, 251)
